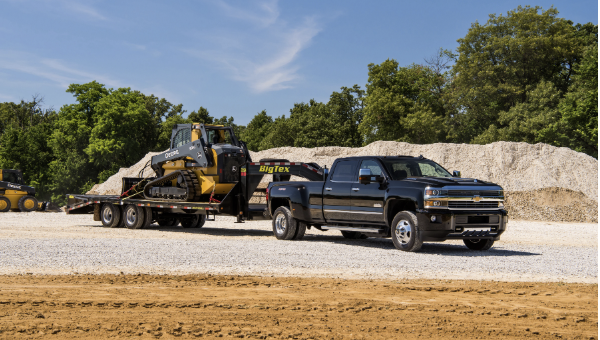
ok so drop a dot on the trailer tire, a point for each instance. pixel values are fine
(168, 222)
(122, 219)
(193, 221)
(4, 204)
(147, 217)
(28, 203)
(284, 225)
(110, 215)
(134, 216)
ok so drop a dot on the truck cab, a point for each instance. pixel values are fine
(410, 199)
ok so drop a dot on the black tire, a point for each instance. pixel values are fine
(167, 222)
(406, 234)
(28, 203)
(193, 221)
(147, 217)
(110, 215)
(479, 244)
(4, 204)
(284, 225)
(122, 219)
(134, 216)
(300, 231)
(353, 235)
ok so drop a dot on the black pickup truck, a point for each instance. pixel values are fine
(410, 199)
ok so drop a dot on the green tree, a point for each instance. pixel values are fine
(257, 130)
(119, 136)
(404, 104)
(500, 62)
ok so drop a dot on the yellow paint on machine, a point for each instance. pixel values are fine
(207, 177)
(14, 196)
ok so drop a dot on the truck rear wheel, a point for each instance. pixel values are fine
(406, 234)
(284, 225)
(4, 204)
(28, 203)
(479, 244)
(300, 231)
(110, 215)
(134, 216)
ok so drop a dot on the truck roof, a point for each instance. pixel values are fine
(383, 157)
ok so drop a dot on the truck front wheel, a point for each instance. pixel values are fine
(284, 225)
(479, 244)
(406, 234)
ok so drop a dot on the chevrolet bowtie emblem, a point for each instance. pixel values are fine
(476, 198)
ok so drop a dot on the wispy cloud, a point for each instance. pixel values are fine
(262, 55)
(57, 71)
(80, 7)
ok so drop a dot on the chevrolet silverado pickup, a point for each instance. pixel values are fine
(410, 199)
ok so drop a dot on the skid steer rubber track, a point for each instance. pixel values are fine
(189, 181)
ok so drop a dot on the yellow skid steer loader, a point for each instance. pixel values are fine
(16, 196)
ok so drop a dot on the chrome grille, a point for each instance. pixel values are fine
(467, 193)
(480, 205)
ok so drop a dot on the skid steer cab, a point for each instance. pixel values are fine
(15, 195)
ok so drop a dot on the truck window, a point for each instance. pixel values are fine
(371, 165)
(344, 171)
(182, 137)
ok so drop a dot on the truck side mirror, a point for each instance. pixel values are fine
(455, 173)
(364, 176)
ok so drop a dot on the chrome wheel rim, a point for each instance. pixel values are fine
(403, 231)
(107, 215)
(280, 223)
(131, 216)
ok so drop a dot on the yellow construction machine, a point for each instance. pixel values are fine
(16, 196)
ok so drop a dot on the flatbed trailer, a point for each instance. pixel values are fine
(235, 203)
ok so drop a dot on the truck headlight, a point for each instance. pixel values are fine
(436, 204)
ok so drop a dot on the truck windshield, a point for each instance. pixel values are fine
(402, 168)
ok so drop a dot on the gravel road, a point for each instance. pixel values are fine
(56, 243)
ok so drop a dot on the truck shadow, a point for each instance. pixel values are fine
(432, 248)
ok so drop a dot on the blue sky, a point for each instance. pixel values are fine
(235, 58)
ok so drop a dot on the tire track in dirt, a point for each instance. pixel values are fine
(190, 306)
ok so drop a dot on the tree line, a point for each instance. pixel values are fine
(527, 76)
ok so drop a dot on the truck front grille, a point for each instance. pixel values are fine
(472, 205)
(471, 193)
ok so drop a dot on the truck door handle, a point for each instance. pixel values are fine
(328, 189)
(355, 189)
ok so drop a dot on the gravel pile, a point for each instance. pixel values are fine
(551, 204)
(55, 243)
(113, 184)
(529, 173)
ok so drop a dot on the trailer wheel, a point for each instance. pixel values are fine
(168, 222)
(110, 215)
(284, 225)
(122, 219)
(28, 203)
(147, 217)
(193, 221)
(4, 204)
(134, 216)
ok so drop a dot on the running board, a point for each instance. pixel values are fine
(357, 229)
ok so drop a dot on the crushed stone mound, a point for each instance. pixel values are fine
(514, 166)
(113, 184)
(538, 179)
(551, 204)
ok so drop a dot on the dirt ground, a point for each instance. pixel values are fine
(208, 306)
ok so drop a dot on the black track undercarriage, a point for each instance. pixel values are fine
(184, 190)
